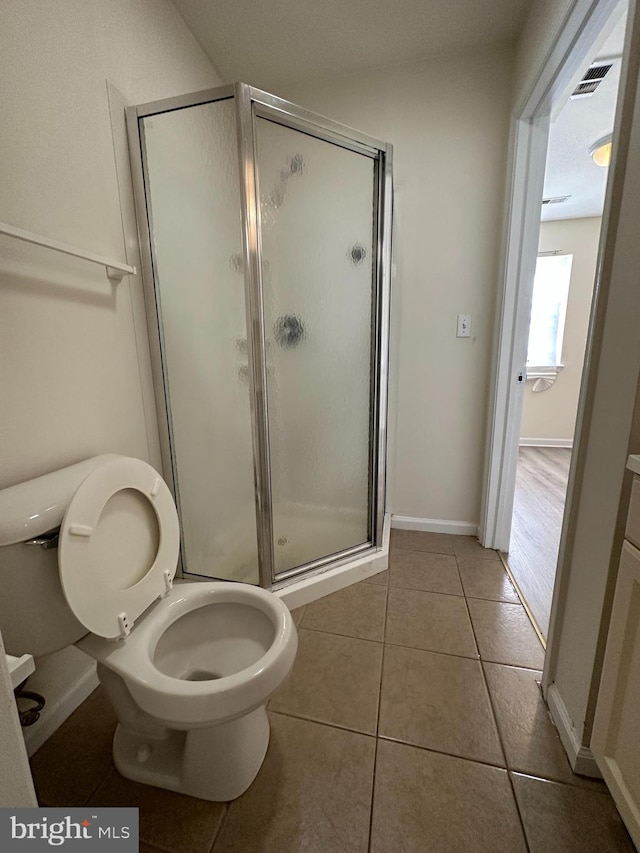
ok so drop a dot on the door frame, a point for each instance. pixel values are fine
(608, 424)
(588, 22)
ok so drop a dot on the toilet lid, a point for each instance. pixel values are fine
(118, 545)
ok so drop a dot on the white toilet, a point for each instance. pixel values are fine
(188, 668)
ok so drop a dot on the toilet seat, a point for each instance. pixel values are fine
(101, 601)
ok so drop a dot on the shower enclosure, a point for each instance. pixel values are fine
(265, 234)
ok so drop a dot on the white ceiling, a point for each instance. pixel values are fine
(270, 42)
(581, 122)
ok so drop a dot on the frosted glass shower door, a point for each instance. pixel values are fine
(191, 191)
(317, 203)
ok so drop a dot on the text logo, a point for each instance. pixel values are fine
(69, 829)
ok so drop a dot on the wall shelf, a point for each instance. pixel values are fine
(114, 269)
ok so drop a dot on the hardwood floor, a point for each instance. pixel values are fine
(541, 486)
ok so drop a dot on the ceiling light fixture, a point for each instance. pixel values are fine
(601, 151)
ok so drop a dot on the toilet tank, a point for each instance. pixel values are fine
(34, 615)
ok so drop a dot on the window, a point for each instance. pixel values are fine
(548, 311)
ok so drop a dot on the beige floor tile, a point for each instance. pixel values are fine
(428, 620)
(439, 702)
(297, 614)
(355, 611)
(486, 579)
(505, 634)
(468, 546)
(530, 739)
(312, 794)
(168, 821)
(422, 570)
(415, 540)
(381, 579)
(68, 768)
(425, 802)
(334, 680)
(564, 819)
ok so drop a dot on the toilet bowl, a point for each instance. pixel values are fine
(188, 668)
(190, 684)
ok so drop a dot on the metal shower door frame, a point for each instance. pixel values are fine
(249, 104)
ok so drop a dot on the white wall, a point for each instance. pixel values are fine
(70, 385)
(448, 121)
(551, 414)
(75, 376)
(538, 37)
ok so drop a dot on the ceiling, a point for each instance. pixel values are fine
(581, 122)
(271, 42)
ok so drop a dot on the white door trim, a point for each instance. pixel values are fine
(587, 22)
(529, 148)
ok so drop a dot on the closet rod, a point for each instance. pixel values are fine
(115, 270)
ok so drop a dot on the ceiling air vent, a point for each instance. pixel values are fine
(591, 80)
(556, 199)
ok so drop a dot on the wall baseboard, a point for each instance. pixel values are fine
(36, 735)
(546, 442)
(580, 757)
(434, 525)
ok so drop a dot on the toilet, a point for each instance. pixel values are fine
(188, 667)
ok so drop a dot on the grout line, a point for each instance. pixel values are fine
(420, 551)
(341, 728)
(384, 638)
(420, 746)
(216, 834)
(336, 634)
(455, 594)
(499, 734)
(524, 603)
(429, 591)
(572, 785)
(468, 611)
(102, 781)
(373, 795)
(375, 754)
(436, 652)
(451, 553)
(476, 657)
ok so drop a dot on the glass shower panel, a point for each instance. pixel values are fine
(191, 165)
(317, 211)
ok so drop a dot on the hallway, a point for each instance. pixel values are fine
(541, 488)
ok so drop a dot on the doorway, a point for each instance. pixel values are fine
(573, 200)
(537, 397)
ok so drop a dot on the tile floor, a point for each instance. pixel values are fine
(412, 722)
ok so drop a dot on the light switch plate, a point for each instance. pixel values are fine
(464, 326)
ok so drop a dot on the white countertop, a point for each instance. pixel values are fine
(633, 464)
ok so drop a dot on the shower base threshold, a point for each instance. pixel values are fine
(305, 589)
